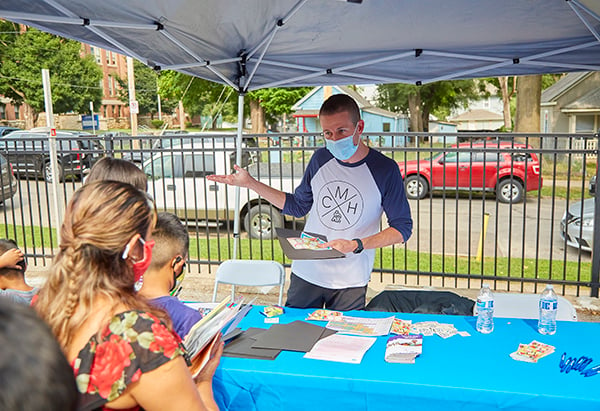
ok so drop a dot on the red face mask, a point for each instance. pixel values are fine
(140, 267)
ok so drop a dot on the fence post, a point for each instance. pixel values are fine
(596, 249)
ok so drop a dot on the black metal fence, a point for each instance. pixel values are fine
(511, 209)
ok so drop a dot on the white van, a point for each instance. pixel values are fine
(178, 185)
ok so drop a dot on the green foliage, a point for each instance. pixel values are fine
(278, 101)
(157, 123)
(211, 99)
(74, 79)
(439, 97)
(146, 92)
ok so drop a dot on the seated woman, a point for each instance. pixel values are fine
(122, 349)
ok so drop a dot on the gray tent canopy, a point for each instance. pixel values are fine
(253, 44)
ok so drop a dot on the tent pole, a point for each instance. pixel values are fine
(56, 211)
(238, 160)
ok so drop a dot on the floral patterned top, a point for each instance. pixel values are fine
(134, 342)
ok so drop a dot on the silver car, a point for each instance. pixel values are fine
(577, 224)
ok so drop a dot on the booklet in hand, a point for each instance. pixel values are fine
(300, 245)
(204, 331)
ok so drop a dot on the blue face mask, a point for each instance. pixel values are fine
(343, 148)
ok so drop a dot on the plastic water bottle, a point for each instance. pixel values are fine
(485, 310)
(548, 310)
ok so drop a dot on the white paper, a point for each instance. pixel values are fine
(362, 326)
(341, 348)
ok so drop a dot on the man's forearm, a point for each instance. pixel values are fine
(383, 238)
(272, 195)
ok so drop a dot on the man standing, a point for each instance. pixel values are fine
(345, 190)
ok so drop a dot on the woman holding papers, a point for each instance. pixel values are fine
(122, 350)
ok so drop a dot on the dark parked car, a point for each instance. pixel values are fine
(8, 182)
(509, 174)
(29, 153)
(4, 130)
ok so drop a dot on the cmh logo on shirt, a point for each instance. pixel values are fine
(339, 205)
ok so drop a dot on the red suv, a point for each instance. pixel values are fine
(481, 167)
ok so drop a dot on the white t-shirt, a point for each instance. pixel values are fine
(347, 201)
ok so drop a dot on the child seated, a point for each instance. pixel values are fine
(12, 273)
(164, 276)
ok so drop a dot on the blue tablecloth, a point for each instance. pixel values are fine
(466, 373)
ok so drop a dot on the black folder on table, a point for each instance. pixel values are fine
(303, 254)
(295, 336)
(241, 347)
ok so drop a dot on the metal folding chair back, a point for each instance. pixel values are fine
(525, 305)
(255, 273)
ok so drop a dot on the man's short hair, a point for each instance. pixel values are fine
(34, 372)
(171, 239)
(5, 245)
(338, 103)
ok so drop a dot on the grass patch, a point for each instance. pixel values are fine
(387, 258)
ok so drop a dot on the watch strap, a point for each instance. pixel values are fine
(359, 248)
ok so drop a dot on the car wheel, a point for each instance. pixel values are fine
(509, 191)
(262, 220)
(47, 172)
(416, 187)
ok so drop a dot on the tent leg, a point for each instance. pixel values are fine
(238, 160)
(55, 208)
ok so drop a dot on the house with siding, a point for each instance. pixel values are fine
(572, 104)
(306, 112)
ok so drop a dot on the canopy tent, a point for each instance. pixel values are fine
(253, 44)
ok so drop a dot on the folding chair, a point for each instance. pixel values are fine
(250, 273)
(517, 305)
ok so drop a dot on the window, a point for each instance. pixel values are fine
(2, 112)
(202, 165)
(110, 85)
(485, 157)
(95, 52)
(17, 112)
(584, 124)
(386, 127)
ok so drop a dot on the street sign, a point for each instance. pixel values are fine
(88, 124)
(134, 108)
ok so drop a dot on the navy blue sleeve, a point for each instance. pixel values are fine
(393, 197)
(299, 203)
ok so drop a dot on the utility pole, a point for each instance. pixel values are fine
(133, 104)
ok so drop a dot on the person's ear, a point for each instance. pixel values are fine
(131, 250)
(177, 263)
(361, 127)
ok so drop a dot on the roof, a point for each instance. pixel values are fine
(589, 101)
(477, 115)
(363, 103)
(563, 85)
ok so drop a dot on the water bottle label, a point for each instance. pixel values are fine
(548, 305)
(485, 304)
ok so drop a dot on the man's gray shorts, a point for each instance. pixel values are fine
(303, 294)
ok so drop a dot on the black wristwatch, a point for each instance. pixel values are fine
(358, 248)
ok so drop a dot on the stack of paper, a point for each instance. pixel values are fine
(532, 352)
(404, 348)
(341, 348)
(362, 326)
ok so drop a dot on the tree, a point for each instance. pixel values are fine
(421, 101)
(268, 104)
(146, 90)
(209, 99)
(74, 79)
